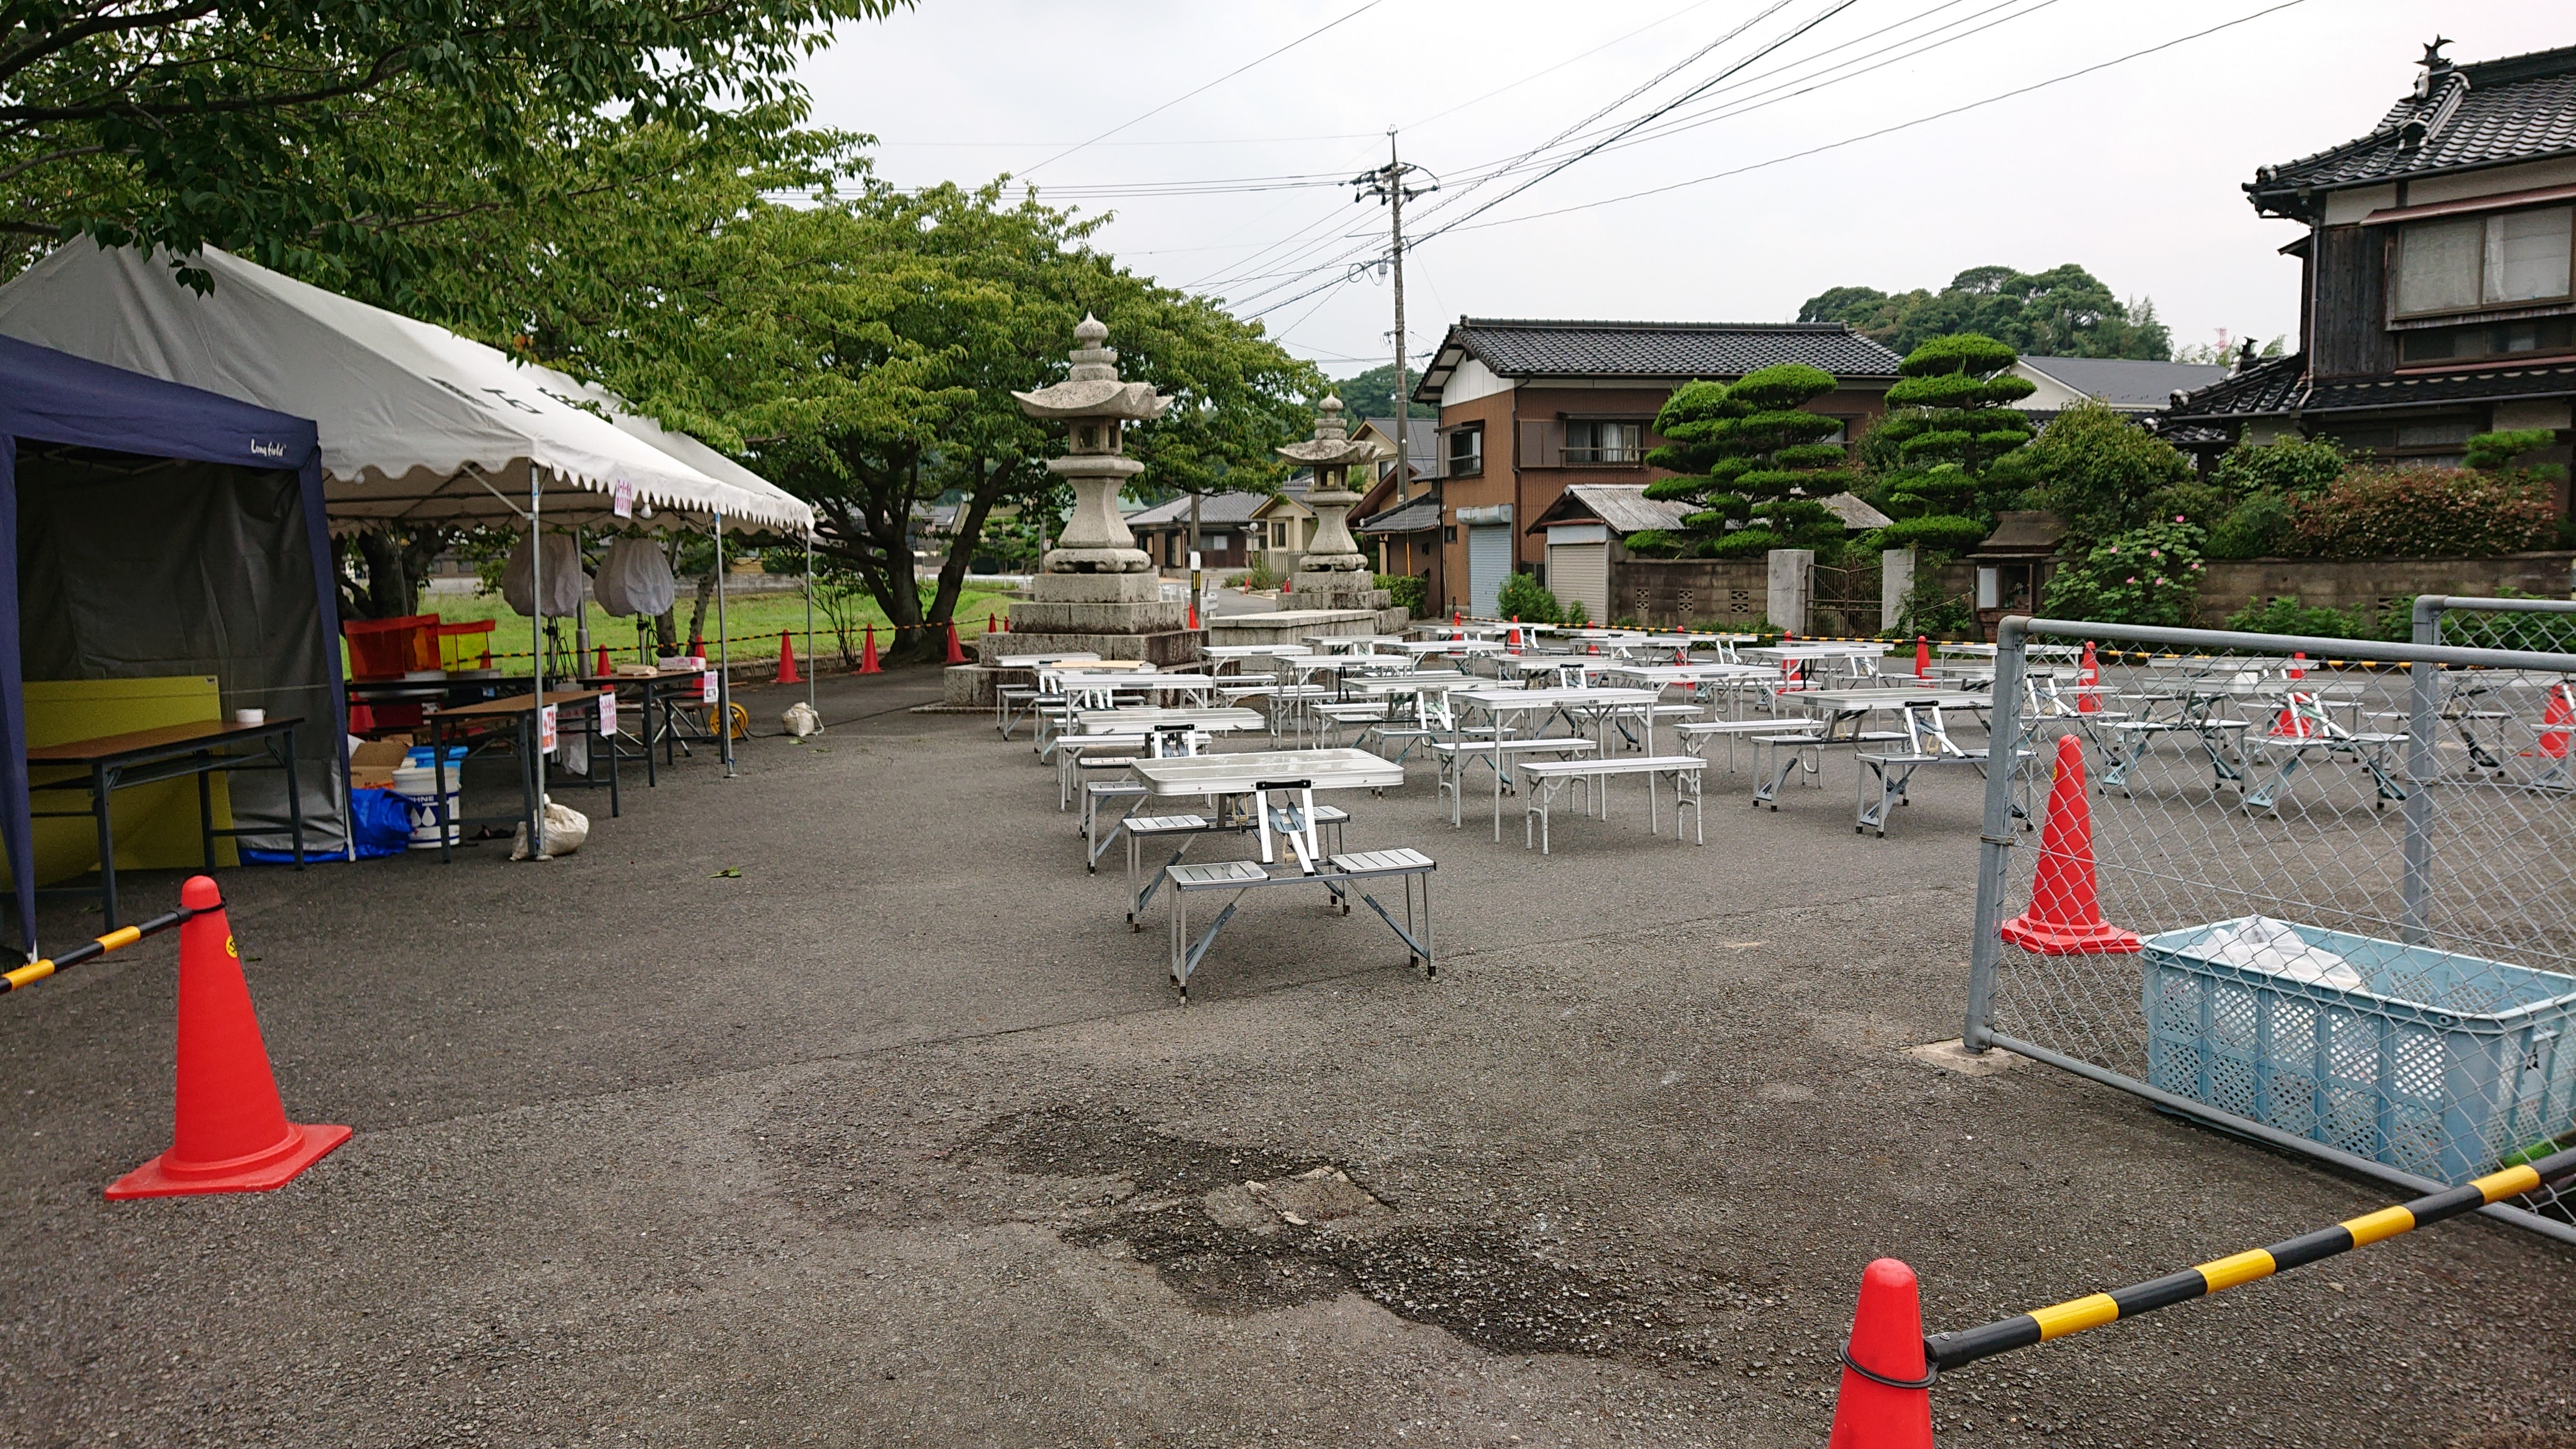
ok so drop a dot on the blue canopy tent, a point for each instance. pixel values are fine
(158, 529)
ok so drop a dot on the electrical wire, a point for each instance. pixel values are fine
(1211, 85)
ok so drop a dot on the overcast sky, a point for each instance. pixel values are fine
(2132, 170)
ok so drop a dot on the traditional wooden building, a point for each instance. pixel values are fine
(2436, 299)
(1528, 408)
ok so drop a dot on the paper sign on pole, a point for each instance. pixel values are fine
(546, 729)
(607, 713)
(707, 687)
(621, 499)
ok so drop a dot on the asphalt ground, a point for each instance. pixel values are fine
(898, 1137)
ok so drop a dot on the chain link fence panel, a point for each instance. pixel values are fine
(2348, 875)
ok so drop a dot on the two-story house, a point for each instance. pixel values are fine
(1528, 408)
(2436, 298)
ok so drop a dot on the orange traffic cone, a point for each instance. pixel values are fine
(2561, 712)
(1886, 1397)
(956, 655)
(601, 670)
(1516, 632)
(2087, 699)
(868, 654)
(2065, 915)
(1922, 656)
(1006, 623)
(231, 1132)
(2292, 725)
(787, 661)
(1194, 613)
(1456, 618)
(2299, 664)
(697, 647)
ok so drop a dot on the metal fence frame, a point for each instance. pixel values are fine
(1999, 836)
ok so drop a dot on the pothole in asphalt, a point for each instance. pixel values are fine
(1239, 1229)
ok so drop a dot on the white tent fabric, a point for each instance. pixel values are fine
(410, 413)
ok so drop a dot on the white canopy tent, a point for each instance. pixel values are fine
(417, 423)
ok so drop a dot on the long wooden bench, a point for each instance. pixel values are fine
(1548, 777)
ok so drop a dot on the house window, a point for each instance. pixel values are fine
(1279, 533)
(1467, 453)
(2487, 339)
(1604, 443)
(2461, 263)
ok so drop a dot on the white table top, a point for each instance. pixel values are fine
(1791, 652)
(1032, 661)
(1684, 673)
(1417, 683)
(1133, 717)
(1253, 651)
(1346, 643)
(1239, 774)
(1848, 700)
(1522, 699)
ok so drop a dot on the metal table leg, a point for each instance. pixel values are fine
(102, 785)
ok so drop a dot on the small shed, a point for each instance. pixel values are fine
(2013, 565)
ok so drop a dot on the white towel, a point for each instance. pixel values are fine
(2276, 948)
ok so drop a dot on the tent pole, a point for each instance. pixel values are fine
(537, 659)
(581, 621)
(809, 623)
(724, 676)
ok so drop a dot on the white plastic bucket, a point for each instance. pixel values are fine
(418, 787)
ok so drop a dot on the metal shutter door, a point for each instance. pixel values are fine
(1489, 561)
(1581, 571)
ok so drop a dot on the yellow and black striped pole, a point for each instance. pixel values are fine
(1946, 1351)
(35, 971)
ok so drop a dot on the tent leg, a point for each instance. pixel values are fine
(809, 628)
(724, 676)
(534, 768)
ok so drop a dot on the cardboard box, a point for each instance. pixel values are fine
(383, 754)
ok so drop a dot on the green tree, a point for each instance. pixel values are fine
(333, 138)
(2259, 486)
(2063, 312)
(1371, 394)
(1947, 425)
(2102, 475)
(860, 349)
(1753, 460)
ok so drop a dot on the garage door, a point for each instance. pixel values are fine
(1581, 572)
(1489, 562)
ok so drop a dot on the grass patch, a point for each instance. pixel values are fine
(752, 623)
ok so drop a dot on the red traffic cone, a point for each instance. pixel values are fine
(2065, 915)
(1456, 618)
(1516, 632)
(231, 1132)
(2299, 664)
(868, 654)
(1922, 656)
(1194, 613)
(1006, 623)
(956, 655)
(600, 671)
(2292, 725)
(2561, 712)
(2088, 699)
(990, 620)
(787, 661)
(1886, 1397)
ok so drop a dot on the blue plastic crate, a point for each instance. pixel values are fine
(2439, 1065)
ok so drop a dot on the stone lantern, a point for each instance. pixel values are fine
(1334, 572)
(1096, 592)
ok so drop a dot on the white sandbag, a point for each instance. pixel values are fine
(567, 830)
(635, 579)
(564, 578)
(800, 720)
(2276, 948)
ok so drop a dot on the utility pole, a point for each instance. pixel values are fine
(1388, 185)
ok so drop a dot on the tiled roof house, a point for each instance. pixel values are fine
(2436, 298)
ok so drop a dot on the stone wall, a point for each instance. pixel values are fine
(1667, 592)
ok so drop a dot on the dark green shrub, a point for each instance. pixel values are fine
(2288, 464)
(2148, 575)
(1656, 542)
(2259, 526)
(1409, 591)
(2288, 616)
(2414, 511)
(2490, 451)
(1524, 598)
(1934, 533)
(2100, 473)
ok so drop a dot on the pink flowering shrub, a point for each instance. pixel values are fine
(2413, 511)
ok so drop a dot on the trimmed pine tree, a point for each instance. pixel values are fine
(1753, 461)
(1946, 427)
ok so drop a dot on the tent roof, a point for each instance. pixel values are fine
(410, 414)
(57, 398)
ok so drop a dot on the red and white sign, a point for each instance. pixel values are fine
(607, 712)
(707, 687)
(621, 499)
(546, 729)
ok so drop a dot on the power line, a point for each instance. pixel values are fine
(1560, 65)
(1211, 85)
(1887, 130)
